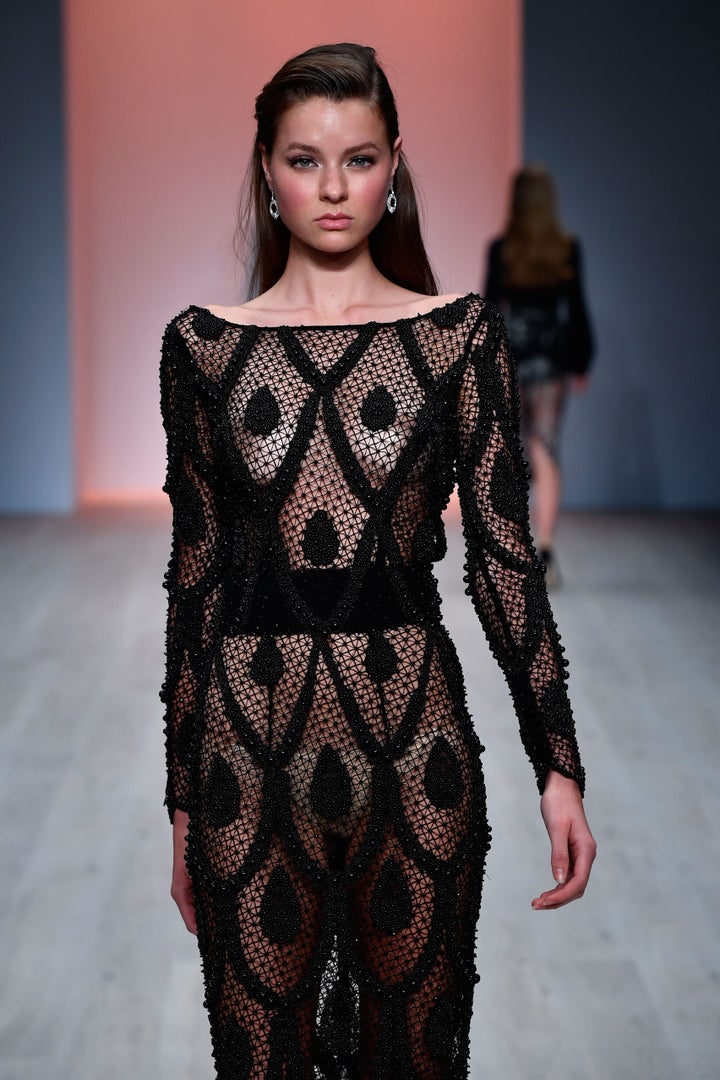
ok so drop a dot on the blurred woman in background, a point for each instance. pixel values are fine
(534, 274)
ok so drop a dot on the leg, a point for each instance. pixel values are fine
(542, 409)
(416, 1022)
(259, 915)
(548, 489)
(258, 946)
(413, 911)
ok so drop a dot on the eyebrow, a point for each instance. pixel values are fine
(350, 150)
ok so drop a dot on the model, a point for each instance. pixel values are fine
(534, 274)
(324, 777)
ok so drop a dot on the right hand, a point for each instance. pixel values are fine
(181, 888)
(573, 847)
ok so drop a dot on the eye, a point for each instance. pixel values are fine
(302, 162)
(362, 160)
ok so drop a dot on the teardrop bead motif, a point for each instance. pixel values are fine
(331, 788)
(378, 409)
(320, 541)
(443, 776)
(280, 913)
(262, 412)
(236, 1057)
(391, 903)
(267, 665)
(381, 661)
(222, 794)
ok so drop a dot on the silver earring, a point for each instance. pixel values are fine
(392, 201)
(274, 208)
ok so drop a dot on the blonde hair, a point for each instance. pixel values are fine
(536, 250)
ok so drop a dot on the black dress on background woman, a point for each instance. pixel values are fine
(317, 727)
(547, 325)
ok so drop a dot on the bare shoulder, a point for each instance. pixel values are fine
(403, 303)
(429, 303)
(242, 314)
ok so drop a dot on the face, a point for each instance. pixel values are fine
(331, 169)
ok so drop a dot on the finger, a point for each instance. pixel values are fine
(574, 888)
(186, 907)
(188, 916)
(559, 858)
(182, 894)
(558, 897)
(582, 864)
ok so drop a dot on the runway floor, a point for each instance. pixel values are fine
(100, 981)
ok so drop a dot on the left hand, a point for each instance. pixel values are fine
(573, 848)
(181, 888)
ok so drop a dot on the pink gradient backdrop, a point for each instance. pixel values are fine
(160, 102)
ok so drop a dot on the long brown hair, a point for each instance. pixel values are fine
(338, 72)
(536, 250)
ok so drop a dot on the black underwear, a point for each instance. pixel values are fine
(386, 598)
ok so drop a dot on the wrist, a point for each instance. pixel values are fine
(556, 781)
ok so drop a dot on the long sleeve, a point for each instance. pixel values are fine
(582, 344)
(194, 572)
(504, 576)
(493, 273)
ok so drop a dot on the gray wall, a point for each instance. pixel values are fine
(36, 470)
(621, 103)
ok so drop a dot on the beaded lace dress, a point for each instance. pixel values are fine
(316, 720)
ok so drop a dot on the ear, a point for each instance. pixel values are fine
(265, 159)
(397, 147)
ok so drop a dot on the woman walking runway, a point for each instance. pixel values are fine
(324, 776)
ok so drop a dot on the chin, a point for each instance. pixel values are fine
(336, 243)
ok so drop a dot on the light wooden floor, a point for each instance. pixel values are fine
(101, 982)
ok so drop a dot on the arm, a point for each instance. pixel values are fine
(582, 340)
(193, 576)
(505, 580)
(493, 277)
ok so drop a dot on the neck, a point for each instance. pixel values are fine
(328, 286)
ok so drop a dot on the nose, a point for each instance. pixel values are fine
(333, 187)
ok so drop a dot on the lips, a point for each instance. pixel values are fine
(334, 221)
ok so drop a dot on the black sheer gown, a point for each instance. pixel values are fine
(317, 727)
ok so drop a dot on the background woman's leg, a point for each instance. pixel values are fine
(542, 407)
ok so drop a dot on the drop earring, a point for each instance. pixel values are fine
(392, 201)
(274, 208)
